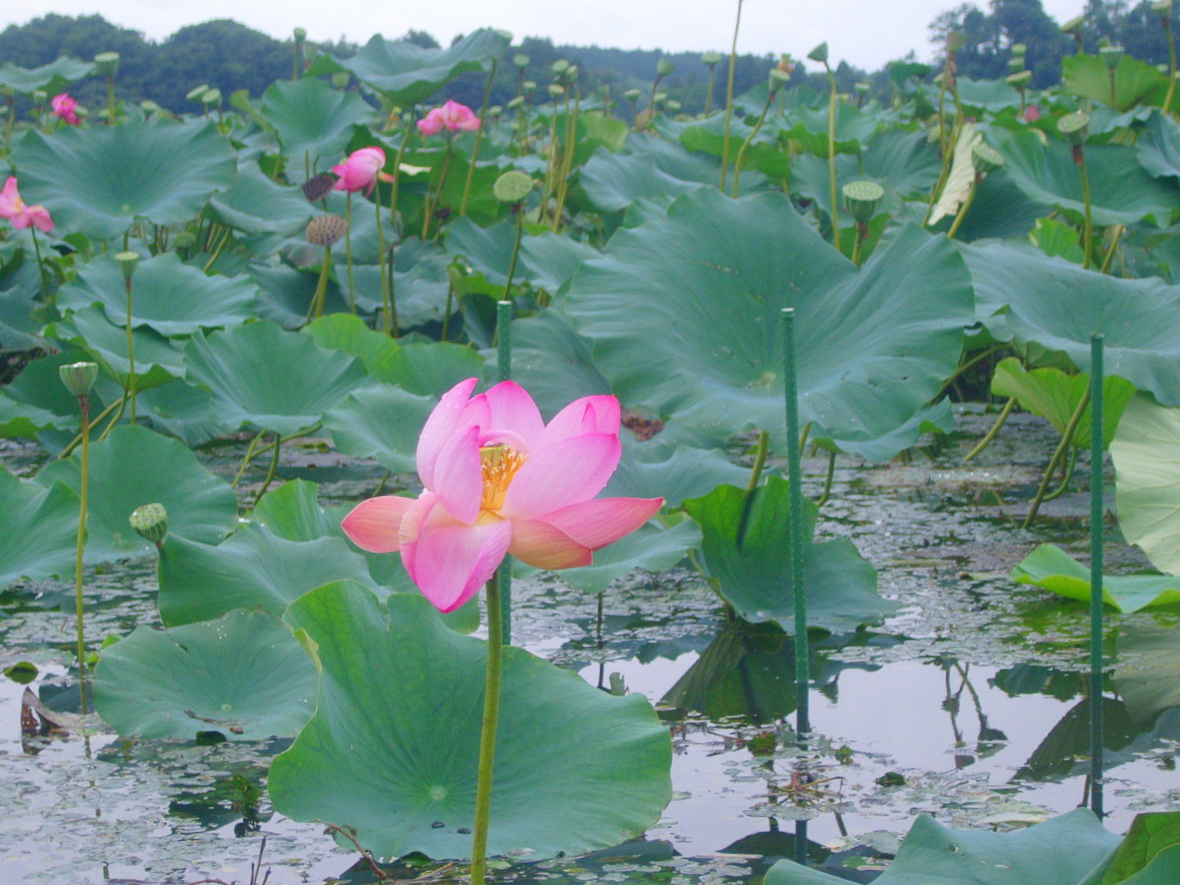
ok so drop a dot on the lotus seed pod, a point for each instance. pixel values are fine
(1075, 127)
(1074, 25)
(149, 106)
(78, 378)
(820, 53)
(1104, 41)
(786, 64)
(186, 239)
(319, 186)
(340, 79)
(529, 85)
(862, 199)
(127, 262)
(1111, 56)
(495, 110)
(514, 103)
(300, 34)
(106, 63)
(571, 73)
(862, 88)
(986, 159)
(560, 66)
(151, 522)
(1016, 63)
(632, 94)
(711, 58)
(673, 105)
(520, 60)
(326, 230)
(665, 68)
(513, 186)
(40, 96)
(778, 78)
(1162, 8)
(211, 98)
(1019, 80)
(660, 97)
(196, 93)
(556, 90)
(954, 41)
(1019, 49)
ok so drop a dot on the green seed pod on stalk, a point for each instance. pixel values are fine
(127, 262)
(862, 199)
(1162, 8)
(986, 159)
(820, 53)
(300, 34)
(211, 98)
(862, 88)
(1075, 127)
(1016, 63)
(1074, 25)
(1019, 50)
(514, 103)
(779, 78)
(79, 378)
(106, 63)
(197, 93)
(513, 186)
(632, 94)
(1019, 80)
(1111, 56)
(520, 60)
(711, 59)
(40, 96)
(326, 230)
(151, 522)
(556, 90)
(665, 68)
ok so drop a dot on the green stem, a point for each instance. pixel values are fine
(519, 213)
(122, 403)
(862, 232)
(483, 113)
(1088, 231)
(991, 434)
(487, 738)
(1097, 552)
(729, 97)
(84, 407)
(270, 474)
(77, 440)
(1119, 230)
(432, 204)
(130, 354)
(1171, 65)
(246, 460)
(11, 122)
(832, 152)
(316, 308)
(348, 250)
(1066, 475)
(111, 100)
(1063, 446)
(759, 460)
(387, 305)
(40, 265)
(827, 492)
(709, 95)
(737, 164)
(567, 163)
(962, 213)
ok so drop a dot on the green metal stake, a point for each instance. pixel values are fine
(795, 545)
(504, 373)
(1097, 511)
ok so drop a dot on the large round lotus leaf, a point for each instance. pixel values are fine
(134, 466)
(1158, 147)
(650, 548)
(244, 676)
(258, 205)
(1060, 851)
(1134, 81)
(157, 361)
(392, 750)
(406, 73)
(381, 422)
(655, 469)
(1053, 569)
(1028, 297)
(1121, 190)
(1146, 455)
(40, 529)
(289, 292)
(99, 179)
(167, 295)
(53, 77)
(744, 548)
(685, 319)
(280, 381)
(310, 116)
(650, 167)
(183, 410)
(547, 260)
(20, 302)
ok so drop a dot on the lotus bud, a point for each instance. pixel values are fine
(79, 378)
(1016, 63)
(151, 522)
(40, 96)
(127, 262)
(1074, 25)
(83, 111)
(326, 230)
(665, 68)
(1019, 80)
(196, 93)
(319, 186)
(711, 58)
(954, 42)
(513, 186)
(106, 63)
(514, 103)
(520, 60)
(340, 79)
(820, 53)
(986, 159)
(300, 34)
(1111, 56)
(1019, 49)
(862, 88)
(556, 90)
(1162, 8)
(862, 199)
(1075, 127)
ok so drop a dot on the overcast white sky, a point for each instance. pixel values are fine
(866, 33)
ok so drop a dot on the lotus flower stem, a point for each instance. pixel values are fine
(270, 474)
(966, 204)
(250, 453)
(1097, 513)
(118, 416)
(388, 307)
(216, 252)
(827, 491)
(1066, 475)
(487, 738)
(1171, 65)
(737, 164)
(348, 251)
(1118, 231)
(77, 440)
(519, 213)
(432, 203)
(483, 115)
(567, 163)
(83, 495)
(1062, 447)
(759, 460)
(729, 97)
(316, 308)
(10, 123)
(795, 547)
(504, 373)
(40, 265)
(1088, 229)
(991, 434)
(709, 93)
(130, 352)
(832, 152)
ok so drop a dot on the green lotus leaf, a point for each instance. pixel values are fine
(685, 319)
(1150, 853)
(1062, 851)
(650, 548)
(157, 361)
(1158, 147)
(406, 74)
(1057, 240)
(1053, 569)
(1053, 394)
(1122, 191)
(381, 422)
(655, 469)
(985, 95)
(547, 260)
(1135, 81)
(53, 77)
(763, 153)
(167, 295)
(553, 362)
(186, 411)
(1146, 455)
(1028, 297)
(98, 180)
(273, 379)
(135, 466)
(310, 117)
(809, 127)
(37, 393)
(1148, 675)
(20, 304)
(243, 676)
(253, 569)
(288, 292)
(258, 205)
(40, 529)
(744, 542)
(392, 757)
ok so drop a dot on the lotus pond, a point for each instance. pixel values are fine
(863, 384)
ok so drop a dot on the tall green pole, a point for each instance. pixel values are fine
(795, 536)
(1097, 511)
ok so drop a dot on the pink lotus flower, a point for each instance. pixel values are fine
(67, 108)
(361, 170)
(498, 480)
(12, 206)
(450, 116)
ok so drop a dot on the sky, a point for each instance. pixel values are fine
(865, 33)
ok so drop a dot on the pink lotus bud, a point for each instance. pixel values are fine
(451, 116)
(66, 108)
(360, 171)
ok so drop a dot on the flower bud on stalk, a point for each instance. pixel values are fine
(151, 523)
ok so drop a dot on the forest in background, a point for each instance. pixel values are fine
(232, 57)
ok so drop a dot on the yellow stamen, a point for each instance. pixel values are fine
(499, 464)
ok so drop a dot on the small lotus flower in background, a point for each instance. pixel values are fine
(499, 481)
(66, 108)
(13, 207)
(361, 170)
(450, 116)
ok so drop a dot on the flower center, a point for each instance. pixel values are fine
(499, 464)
